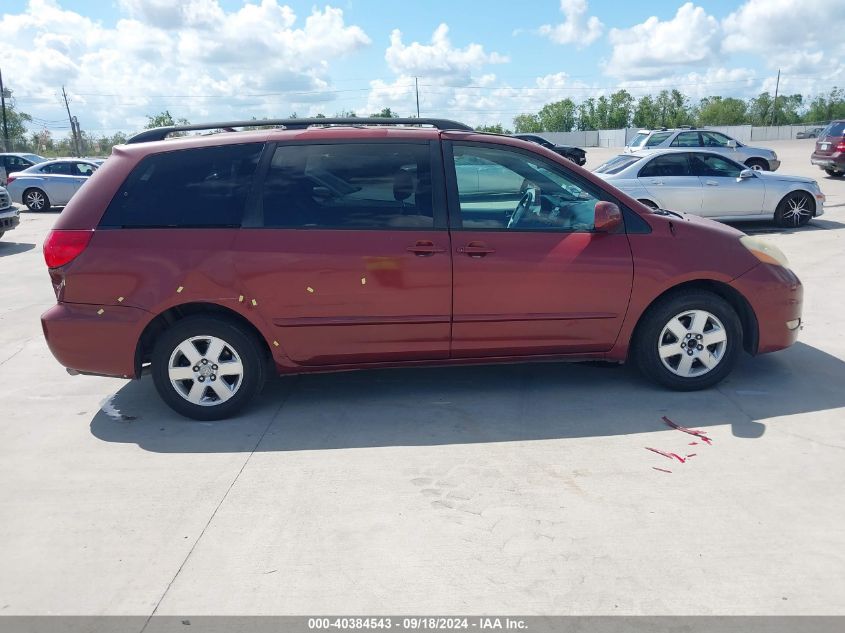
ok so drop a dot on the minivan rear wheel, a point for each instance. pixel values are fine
(207, 368)
(689, 340)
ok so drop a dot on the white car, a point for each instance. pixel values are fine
(710, 185)
(51, 183)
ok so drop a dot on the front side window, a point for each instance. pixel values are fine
(190, 188)
(715, 166)
(657, 138)
(686, 139)
(714, 139)
(349, 186)
(666, 165)
(504, 189)
(637, 140)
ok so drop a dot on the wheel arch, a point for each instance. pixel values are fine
(809, 193)
(750, 327)
(172, 315)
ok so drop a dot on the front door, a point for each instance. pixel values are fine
(723, 192)
(531, 276)
(349, 255)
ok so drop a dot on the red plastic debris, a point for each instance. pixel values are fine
(665, 454)
(662, 470)
(696, 432)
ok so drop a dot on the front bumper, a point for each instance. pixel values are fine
(92, 339)
(774, 163)
(776, 297)
(9, 219)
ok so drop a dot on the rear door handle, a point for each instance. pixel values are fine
(711, 183)
(424, 248)
(657, 182)
(476, 249)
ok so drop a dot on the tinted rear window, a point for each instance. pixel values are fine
(837, 128)
(202, 187)
(637, 140)
(349, 186)
(657, 138)
(617, 164)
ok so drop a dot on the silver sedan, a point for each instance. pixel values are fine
(710, 185)
(51, 183)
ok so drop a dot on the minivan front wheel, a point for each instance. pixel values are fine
(689, 340)
(207, 368)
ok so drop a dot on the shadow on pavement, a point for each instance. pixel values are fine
(13, 248)
(759, 227)
(464, 405)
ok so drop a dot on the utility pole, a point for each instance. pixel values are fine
(72, 125)
(417, 90)
(775, 102)
(5, 123)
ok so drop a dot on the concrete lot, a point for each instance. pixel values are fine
(507, 490)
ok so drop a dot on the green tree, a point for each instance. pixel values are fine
(527, 123)
(558, 116)
(620, 110)
(645, 113)
(385, 113)
(587, 115)
(16, 122)
(495, 128)
(672, 109)
(722, 111)
(164, 119)
(760, 109)
(826, 107)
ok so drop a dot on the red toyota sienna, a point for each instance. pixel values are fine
(211, 260)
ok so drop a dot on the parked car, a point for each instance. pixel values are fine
(711, 140)
(812, 132)
(11, 162)
(713, 186)
(209, 260)
(575, 154)
(51, 183)
(829, 153)
(9, 215)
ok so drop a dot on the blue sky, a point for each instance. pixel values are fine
(476, 61)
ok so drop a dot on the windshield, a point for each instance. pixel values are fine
(35, 158)
(637, 140)
(616, 164)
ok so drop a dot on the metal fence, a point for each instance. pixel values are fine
(620, 137)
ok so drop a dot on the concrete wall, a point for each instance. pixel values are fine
(618, 138)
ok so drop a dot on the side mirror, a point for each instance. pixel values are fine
(731, 143)
(745, 174)
(608, 217)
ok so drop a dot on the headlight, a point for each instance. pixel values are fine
(764, 251)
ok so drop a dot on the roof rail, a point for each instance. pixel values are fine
(160, 133)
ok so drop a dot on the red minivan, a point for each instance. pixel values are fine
(327, 244)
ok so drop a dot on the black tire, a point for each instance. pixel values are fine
(36, 200)
(788, 213)
(651, 328)
(240, 343)
(649, 203)
(834, 173)
(757, 163)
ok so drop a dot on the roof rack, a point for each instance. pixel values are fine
(160, 133)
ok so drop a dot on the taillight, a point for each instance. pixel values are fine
(62, 247)
(840, 146)
(10, 178)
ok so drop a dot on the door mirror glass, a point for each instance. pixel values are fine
(731, 143)
(746, 173)
(608, 217)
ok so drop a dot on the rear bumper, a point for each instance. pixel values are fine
(9, 219)
(91, 339)
(829, 161)
(776, 297)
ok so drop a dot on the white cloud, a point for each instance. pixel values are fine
(206, 59)
(577, 28)
(737, 82)
(654, 47)
(439, 58)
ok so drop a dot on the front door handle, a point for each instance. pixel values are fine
(657, 182)
(425, 248)
(711, 183)
(476, 249)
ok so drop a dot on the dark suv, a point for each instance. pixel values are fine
(830, 149)
(332, 244)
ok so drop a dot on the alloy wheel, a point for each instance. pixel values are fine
(205, 370)
(692, 343)
(797, 210)
(35, 200)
